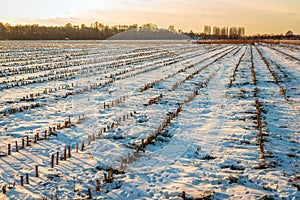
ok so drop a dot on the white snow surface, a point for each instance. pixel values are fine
(209, 150)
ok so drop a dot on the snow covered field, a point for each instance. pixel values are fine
(149, 120)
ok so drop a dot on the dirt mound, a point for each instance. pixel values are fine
(149, 34)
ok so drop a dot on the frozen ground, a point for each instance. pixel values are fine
(157, 120)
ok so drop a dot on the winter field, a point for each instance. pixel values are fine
(149, 120)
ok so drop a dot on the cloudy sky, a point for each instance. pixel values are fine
(257, 16)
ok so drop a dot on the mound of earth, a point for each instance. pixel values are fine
(149, 34)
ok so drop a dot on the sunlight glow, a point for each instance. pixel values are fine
(258, 16)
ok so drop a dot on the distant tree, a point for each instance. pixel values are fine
(233, 32)
(224, 32)
(216, 31)
(95, 25)
(134, 26)
(2, 31)
(98, 26)
(241, 31)
(68, 25)
(191, 34)
(289, 34)
(150, 25)
(207, 30)
(172, 28)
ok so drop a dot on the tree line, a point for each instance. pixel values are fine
(96, 31)
(240, 33)
(224, 32)
(99, 31)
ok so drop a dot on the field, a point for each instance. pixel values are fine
(149, 120)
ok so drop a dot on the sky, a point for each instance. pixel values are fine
(257, 16)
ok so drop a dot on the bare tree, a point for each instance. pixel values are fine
(207, 30)
(224, 31)
(216, 31)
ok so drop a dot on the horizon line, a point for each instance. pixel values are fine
(139, 26)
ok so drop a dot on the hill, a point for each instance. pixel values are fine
(149, 34)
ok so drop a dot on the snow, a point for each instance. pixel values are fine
(210, 149)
